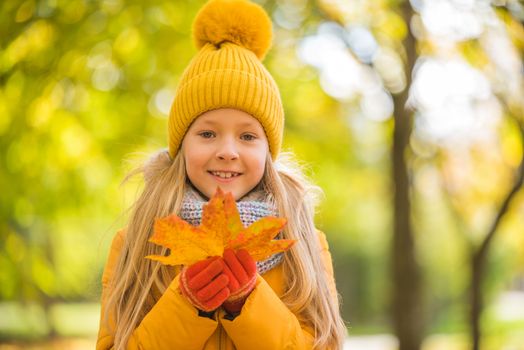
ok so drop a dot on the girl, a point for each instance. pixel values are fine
(224, 129)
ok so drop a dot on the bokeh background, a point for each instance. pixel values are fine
(409, 114)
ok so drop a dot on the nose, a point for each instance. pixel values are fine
(227, 150)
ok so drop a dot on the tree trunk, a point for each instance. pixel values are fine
(407, 315)
(406, 300)
(480, 255)
(477, 267)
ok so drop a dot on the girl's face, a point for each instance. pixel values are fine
(225, 148)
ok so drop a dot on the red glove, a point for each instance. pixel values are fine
(204, 284)
(242, 272)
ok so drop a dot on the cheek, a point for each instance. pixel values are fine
(194, 154)
(193, 162)
(259, 163)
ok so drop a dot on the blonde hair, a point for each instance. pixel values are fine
(307, 286)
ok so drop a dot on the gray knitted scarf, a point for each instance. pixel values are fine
(251, 207)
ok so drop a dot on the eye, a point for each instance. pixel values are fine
(207, 134)
(248, 137)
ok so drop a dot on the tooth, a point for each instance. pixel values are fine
(224, 175)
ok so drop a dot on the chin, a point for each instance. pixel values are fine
(236, 194)
(211, 192)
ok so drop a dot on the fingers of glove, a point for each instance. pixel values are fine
(247, 261)
(218, 299)
(209, 291)
(205, 276)
(233, 283)
(236, 267)
(197, 267)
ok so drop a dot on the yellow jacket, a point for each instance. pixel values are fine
(173, 323)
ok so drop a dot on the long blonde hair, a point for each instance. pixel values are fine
(307, 287)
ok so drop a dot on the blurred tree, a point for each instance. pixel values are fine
(78, 82)
(511, 171)
(417, 37)
(479, 254)
(513, 108)
(408, 318)
(406, 300)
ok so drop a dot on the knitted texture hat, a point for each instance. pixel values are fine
(233, 37)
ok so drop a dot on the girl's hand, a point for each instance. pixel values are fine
(242, 272)
(205, 284)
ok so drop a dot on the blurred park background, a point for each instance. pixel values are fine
(409, 114)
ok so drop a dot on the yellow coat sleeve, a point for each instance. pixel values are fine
(173, 323)
(266, 322)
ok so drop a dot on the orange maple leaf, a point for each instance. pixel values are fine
(220, 228)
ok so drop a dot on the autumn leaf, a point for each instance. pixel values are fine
(221, 228)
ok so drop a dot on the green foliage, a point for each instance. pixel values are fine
(79, 82)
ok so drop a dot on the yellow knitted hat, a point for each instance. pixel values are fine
(233, 37)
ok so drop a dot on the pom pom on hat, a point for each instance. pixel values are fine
(238, 21)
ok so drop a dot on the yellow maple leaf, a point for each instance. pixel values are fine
(221, 228)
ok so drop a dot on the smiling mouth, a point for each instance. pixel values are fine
(224, 174)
